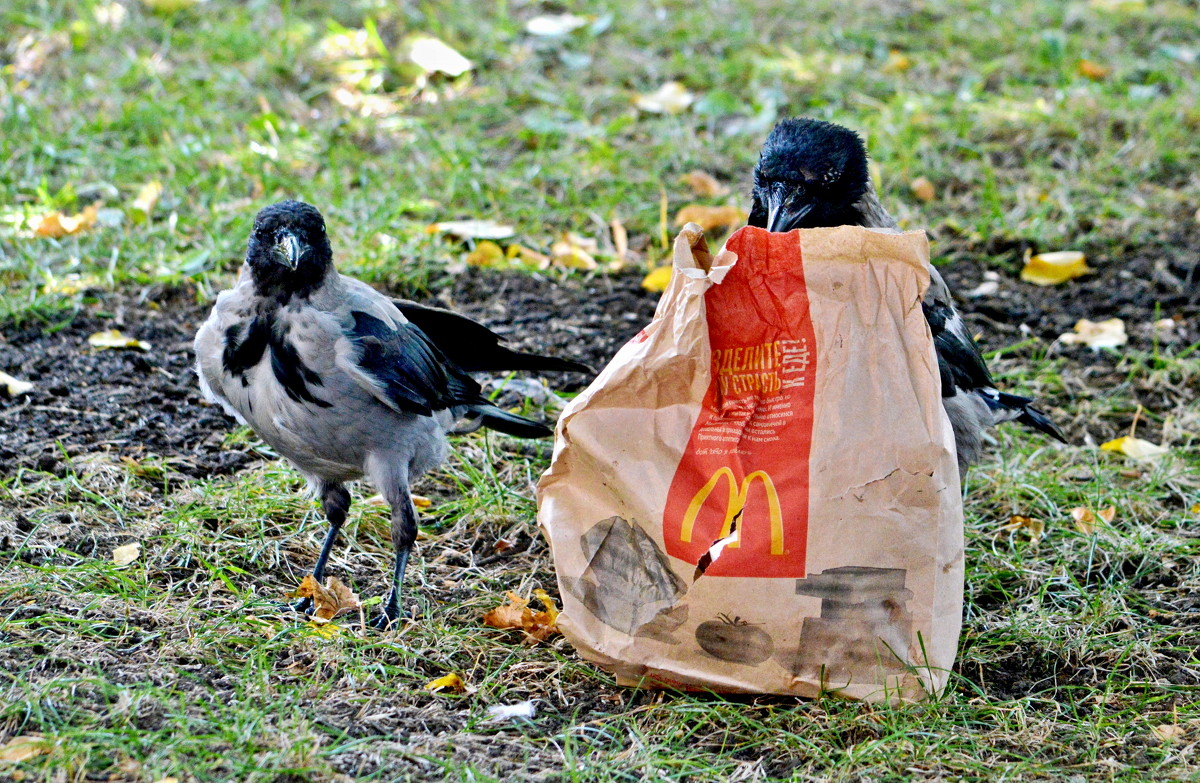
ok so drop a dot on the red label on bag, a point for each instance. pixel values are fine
(743, 478)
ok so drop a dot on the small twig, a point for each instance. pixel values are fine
(1136, 417)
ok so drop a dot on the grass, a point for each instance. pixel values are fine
(1075, 648)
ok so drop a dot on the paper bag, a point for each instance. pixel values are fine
(759, 493)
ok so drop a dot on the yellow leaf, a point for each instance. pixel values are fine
(657, 280)
(24, 747)
(114, 339)
(670, 98)
(330, 600)
(897, 62)
(56, 224)
(574, 252)
(14, 387)
(486, 253)
(432, 55)
(124, 555)
(1195, 509)
(1107, 514)
(704, 184)
(448, 682)
(324, 630)
(527, 256)
(473, 229)
(1109, 333)
(923, 189)
(1032, 526)
(709, 218)
(146, 199)
(1092, 70)
(1168, 732)
(1135, 447)
(537, 626)
(1054, 268)
(420, 501)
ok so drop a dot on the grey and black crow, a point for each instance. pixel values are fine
(813, 174)
(345, 382)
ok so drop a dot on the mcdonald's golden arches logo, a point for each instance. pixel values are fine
(739, 495)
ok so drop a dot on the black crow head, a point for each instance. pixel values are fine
(810, 174)
(288, 252)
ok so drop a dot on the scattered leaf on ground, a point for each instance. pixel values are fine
(657, 280)
(14, 387)
(1032, 526)
(551, 25)
(671, 98)
(1135, 447)
(486, 254)
(620, 238)
(1086, 520)
(1092, 70)
(433, 55)
(124, 555)
(24, 747)
(1168, 732)
(1054, 268)
(537, 626)
(527, 256)
(146, 199)
(897, 62)
(420, 501)
(704, 185)
(1097, 334)
(709, 218)
(574, 252)
(114, 339)
(324, 630)
(923, 189)
(56, 224)
(330, 600)
(448, 682)
(474, 229)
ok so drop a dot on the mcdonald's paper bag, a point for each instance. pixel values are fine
(759, 493)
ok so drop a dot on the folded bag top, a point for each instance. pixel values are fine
(759, 493)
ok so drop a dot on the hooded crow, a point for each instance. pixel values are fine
(345, 382)
(813, 174)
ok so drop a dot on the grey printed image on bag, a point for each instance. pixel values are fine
(759, 493)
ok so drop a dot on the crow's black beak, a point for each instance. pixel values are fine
(288, 249)
(783, 213)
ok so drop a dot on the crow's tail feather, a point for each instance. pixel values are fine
(509, 423)
(1029, 415)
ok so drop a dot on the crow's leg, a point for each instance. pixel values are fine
(335, 502)
(404, 533)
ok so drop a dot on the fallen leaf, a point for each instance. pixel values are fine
(474, 229)
(551, 25)
(330, 600)
(528, 256)
(1092, 70)
(420, 501)
(537, 626)
(168, 779)
(114, 339)
(486, 254)
(704, 184)
(574, 252)
(897, 62)
(1054, 268)
(146, 199)
(670, 98)
(620, 238)
(15, 387)
(1107, 514)
(1086, 520)
(1135, 447)
(432, 55)
(1168, 732)
(24, 747)
(1032, 526)
(502, 545)
(447, 682)
(56, 224)
(710, 218)
(657, 280)
(324, 630)
(1097, 334)
(923, 189)
(1195, 509)
(124, 555)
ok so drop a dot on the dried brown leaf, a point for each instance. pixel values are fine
(56, 224)
(24, 747)
(1031, 526)
(330, 600)
(704, 185)
(537, 626)
(923, 189)
(709, 218)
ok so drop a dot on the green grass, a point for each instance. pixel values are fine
(1075, 647)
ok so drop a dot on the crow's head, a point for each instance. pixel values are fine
(288, 252)
(810, 174)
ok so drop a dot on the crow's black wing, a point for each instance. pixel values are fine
(959, 361)
(474, 347)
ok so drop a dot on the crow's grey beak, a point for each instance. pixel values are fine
(780, 217)
(288, 249)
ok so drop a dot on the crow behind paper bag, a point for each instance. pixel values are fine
(759, 493)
